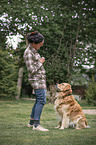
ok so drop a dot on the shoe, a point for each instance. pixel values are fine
(29, 125)
(40, 128)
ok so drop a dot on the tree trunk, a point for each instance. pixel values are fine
(19, 82)
(20, 74)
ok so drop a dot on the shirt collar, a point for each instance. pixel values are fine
(32, 49)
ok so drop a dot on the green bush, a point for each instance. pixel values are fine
(8, 75)
(91, 93)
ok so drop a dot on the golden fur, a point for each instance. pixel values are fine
(68, 109)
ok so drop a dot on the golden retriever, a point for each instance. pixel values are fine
(68, 109)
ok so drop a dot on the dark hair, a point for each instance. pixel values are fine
(35, 37)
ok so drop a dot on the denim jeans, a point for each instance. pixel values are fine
(40, 95)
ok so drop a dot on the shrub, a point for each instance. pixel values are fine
(91, 93)
(8, 76)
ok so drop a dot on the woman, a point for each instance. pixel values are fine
(37, 77)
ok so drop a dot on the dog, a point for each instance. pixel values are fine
(69, 111)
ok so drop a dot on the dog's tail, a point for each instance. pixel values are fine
(86, 122)
(87, 126)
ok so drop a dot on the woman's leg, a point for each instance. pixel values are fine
(40, 102)
(33, 109)
(32, 116)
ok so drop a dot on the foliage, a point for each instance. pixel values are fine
(91, 93)
(78, 78)
(7, 75)
(15, 131)
(68, 27)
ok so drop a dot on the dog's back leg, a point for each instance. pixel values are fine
(80, 123)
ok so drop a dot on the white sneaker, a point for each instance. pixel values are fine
(40, 128)
(29, 125)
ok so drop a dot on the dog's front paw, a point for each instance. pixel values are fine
(78, 128)
(61, 127)
(57, 126)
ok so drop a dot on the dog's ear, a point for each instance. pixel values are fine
(67, 87)
(64, 94)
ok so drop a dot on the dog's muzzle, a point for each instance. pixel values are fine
(57, 88)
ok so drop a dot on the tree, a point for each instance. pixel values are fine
(7, 75)
(66, 25)
(91, 93)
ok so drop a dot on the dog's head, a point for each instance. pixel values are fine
(63, 87)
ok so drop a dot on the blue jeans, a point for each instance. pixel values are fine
(40, 101)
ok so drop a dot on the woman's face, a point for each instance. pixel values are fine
(37, 46)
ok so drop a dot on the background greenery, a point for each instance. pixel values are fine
(70, 41)
(15, 115)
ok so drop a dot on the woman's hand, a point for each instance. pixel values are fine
(42, 60)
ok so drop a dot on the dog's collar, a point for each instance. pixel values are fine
(69, 95)
(65, 96)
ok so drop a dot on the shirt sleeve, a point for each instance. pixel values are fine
(33, 66)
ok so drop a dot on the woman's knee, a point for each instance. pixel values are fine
(42, 101)
(41, 96)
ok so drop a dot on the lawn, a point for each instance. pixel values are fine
(14, 117)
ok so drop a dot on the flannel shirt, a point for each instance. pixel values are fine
(36, 71)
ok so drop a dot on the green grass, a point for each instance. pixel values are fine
(15, 115)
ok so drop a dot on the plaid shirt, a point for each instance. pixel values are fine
(36, 71)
